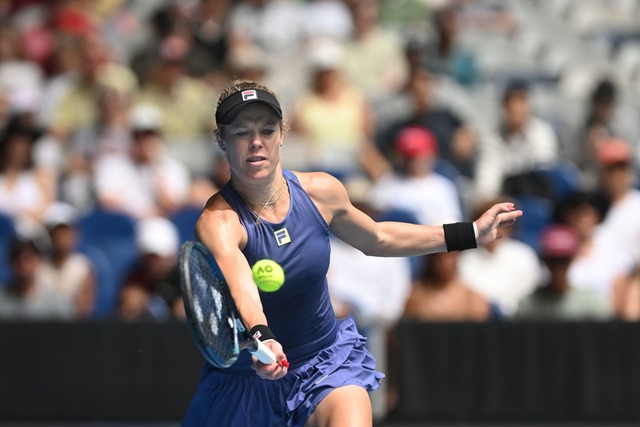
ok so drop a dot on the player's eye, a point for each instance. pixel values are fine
(241, 134)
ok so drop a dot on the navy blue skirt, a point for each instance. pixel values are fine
(225, 399)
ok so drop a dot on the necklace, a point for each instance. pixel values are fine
(267, 203)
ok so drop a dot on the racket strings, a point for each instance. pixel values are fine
(210, 309)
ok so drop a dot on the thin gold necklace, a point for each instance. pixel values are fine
(267, 203)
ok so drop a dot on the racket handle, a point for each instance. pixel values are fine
(264, 354)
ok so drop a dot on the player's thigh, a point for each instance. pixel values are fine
(347, 406)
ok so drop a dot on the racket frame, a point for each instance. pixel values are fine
(242, 339)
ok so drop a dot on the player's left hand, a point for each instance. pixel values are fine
(272, 371)
(489, 224)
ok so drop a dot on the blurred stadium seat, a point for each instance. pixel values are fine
(113, 233)
(563, 177)
(7, 231)
(185, 220)
(538, 213)
(106, 290)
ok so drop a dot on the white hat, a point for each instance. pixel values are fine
(59, 213)
(157, 235)
(326, 54)
(145, 117)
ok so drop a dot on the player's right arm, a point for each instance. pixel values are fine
(220, 230)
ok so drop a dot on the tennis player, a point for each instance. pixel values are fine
(265, 211)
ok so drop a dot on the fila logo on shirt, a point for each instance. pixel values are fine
(249, 94)
(282, 236)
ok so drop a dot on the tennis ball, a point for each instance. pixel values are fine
(268, 275)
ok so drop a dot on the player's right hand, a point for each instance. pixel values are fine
(272, 371)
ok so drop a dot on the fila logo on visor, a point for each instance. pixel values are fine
(282, 236)
(249, 94)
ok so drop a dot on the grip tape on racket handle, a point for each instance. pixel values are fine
(263, 353)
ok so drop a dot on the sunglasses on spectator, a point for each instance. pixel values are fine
(617, 166)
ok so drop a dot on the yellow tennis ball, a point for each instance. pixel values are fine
(268, 275)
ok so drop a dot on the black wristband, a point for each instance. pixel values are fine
(262, 332)
(459, 236)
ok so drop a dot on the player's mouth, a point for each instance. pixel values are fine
(254, 160)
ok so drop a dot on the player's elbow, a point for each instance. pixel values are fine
(375, 247)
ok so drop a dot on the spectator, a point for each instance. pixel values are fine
(626, 301)
(109, 134)
(416, 106)
(66, 271)
(622, 220)
(66, 62)
(597, 261)
(146, 181)
(333, 119)
(97, 69)
(152, 288)
(439, 293)
(248, 63)
(205, 186)
(374, 57)
(184, 102)
(328, 18)
(557, 299)
(524, 143)
(444, 54)
(19, 77)
(603, 121)
(27, 295)
(373, 289)
(416, 188)
(25, 190)
(258, 25)
(503, 272)
(260, 22)
(597, 125)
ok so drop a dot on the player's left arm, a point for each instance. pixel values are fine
(393, 238)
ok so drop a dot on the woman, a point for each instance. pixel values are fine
(26, 190)
(440, 294)
(332, 118)
(265, 211)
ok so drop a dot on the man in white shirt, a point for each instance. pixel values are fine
(622, 220)
(416, 188)
(147, 181)
(503, 271)
(523, 143)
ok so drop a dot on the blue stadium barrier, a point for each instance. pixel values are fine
(7, 232)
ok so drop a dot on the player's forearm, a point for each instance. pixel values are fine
(403, 239)
(245, 295)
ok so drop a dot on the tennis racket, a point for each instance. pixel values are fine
(213, 319)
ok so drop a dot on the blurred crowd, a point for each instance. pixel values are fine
(427, 110)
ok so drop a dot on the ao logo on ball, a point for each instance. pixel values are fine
(268, 275)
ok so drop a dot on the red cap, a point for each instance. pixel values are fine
(559, 241)
(613, 150)
(415, 141)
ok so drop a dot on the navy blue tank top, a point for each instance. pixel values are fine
(300, 313)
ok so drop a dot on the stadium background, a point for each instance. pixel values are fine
(103, 371)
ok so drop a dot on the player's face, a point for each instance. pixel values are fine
(253, 141)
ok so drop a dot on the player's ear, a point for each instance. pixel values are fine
(218, 134)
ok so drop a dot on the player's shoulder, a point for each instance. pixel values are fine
(320, 185)
(217, 213)
(313, 182)
(220, 224)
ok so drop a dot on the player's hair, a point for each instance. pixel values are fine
(234, 87)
